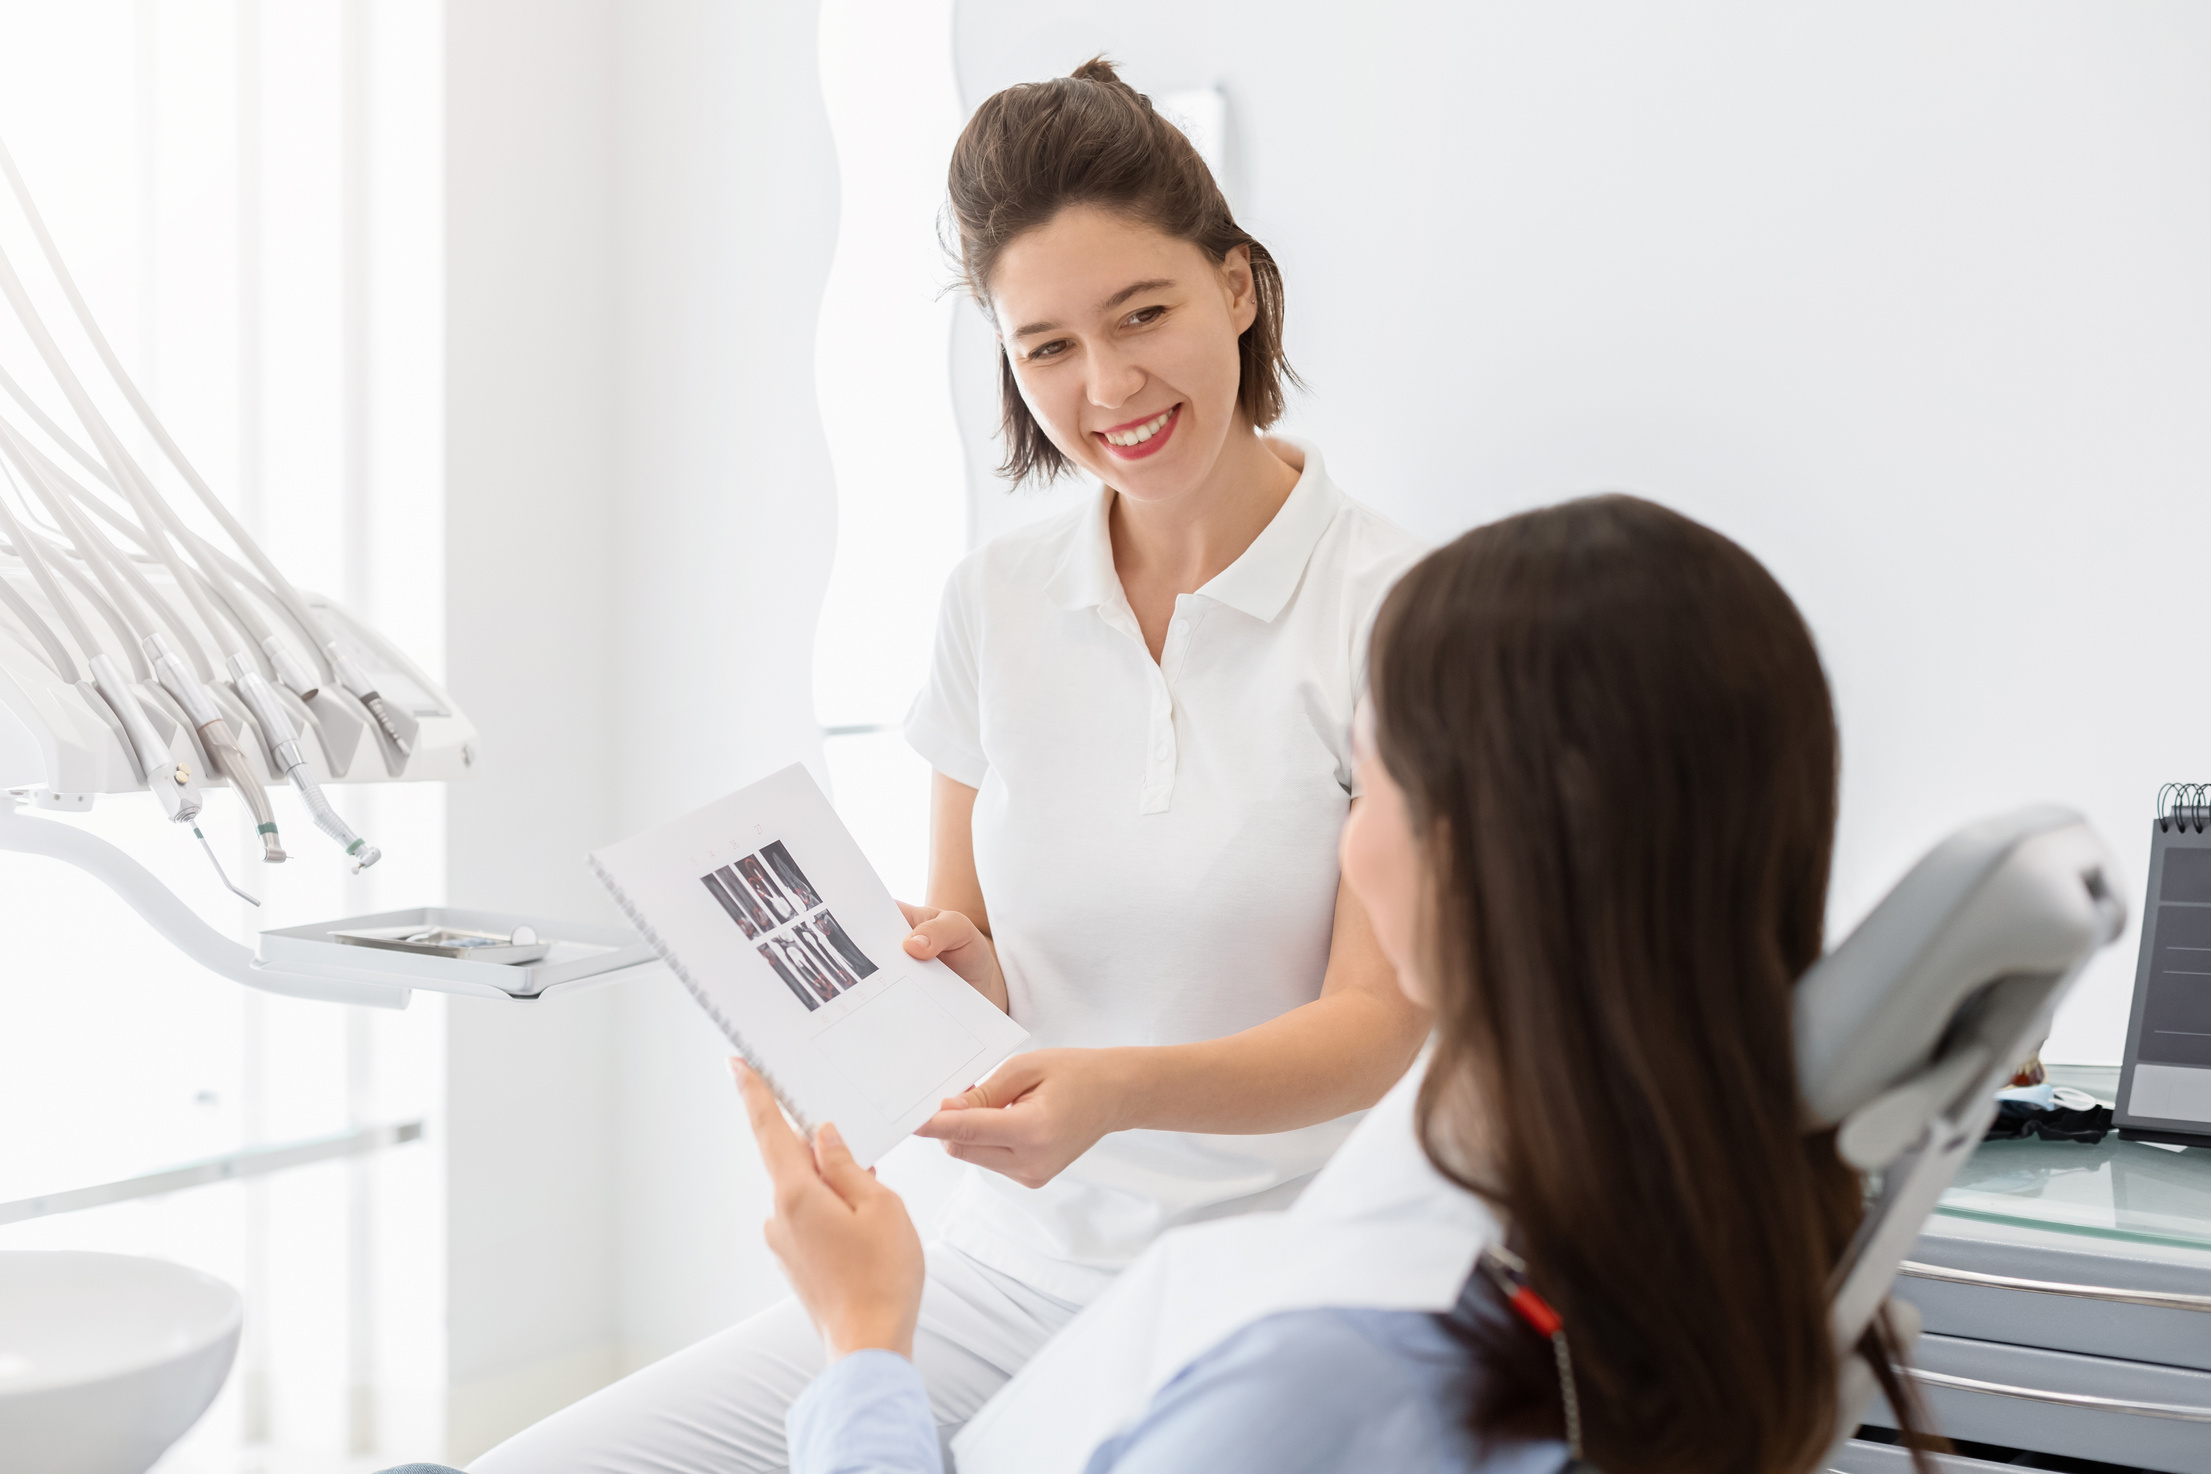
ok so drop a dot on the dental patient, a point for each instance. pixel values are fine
(1600, 769)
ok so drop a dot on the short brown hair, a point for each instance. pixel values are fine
(1091, 139)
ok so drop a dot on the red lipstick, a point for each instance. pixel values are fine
(1150, 447)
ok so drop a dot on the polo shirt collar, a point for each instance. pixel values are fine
(1086, 578)
(1259, 583)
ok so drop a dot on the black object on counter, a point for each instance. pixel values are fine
(2018, 1119)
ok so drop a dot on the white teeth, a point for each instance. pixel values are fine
(1142, 432)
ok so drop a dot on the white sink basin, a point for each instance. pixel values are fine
(105, 1359)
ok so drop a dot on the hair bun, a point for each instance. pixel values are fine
(1098, 69)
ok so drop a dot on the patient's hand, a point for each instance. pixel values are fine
(844, 1238)
(1039, 1112)
(959, 944)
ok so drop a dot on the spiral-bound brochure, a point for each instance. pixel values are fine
(765, 908)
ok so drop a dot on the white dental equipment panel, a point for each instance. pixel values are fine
(61, 740)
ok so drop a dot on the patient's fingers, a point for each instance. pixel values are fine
(777, 1231)
(845, 1176)
(786, 1156)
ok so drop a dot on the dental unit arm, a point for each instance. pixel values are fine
(1905, 1032)
(139, 651)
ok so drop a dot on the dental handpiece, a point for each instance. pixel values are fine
(290, 669)
(172, 782)
(355, 680)
(215, 736)
(285, 749)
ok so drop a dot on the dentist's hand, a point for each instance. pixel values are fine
(844, 1238)
(1039, 1112)
(960, 945)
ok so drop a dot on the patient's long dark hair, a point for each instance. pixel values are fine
(1615, 738)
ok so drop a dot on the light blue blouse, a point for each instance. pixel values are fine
(1299, 1393)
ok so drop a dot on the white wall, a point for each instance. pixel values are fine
(1908, 298)
(642, 203)
(726, 214)
(530, 597)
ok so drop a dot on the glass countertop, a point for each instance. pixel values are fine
(2128, 1191)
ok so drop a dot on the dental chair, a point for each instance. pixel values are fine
(1904, 1033)
(1906, 1030)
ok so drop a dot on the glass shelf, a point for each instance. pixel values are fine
(2127, 1191)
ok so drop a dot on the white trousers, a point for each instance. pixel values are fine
(717, 1407)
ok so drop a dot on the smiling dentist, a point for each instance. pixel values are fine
(1139, 714)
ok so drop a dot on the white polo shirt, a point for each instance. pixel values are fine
(1156, 842)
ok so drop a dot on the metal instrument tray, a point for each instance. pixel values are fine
(445, 941)
(579, 955)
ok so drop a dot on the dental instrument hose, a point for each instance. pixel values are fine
(57, 654)
(175, 677)
(173, 783)
(186, 657)
(343, 668)
(226, 578)
(286, 752)
(83, 583)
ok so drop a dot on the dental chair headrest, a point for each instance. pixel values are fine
(1963, 959)
(1904, 1032)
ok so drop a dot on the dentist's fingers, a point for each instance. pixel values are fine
(940, 932)
(1012, 1080)
(1014, 1128)
(787, 1157)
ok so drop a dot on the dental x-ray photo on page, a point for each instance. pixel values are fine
(767, 911)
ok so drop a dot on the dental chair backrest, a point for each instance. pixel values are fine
(1906, 1030)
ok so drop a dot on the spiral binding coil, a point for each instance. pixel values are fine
(2185, 805)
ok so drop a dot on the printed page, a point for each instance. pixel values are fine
(765, 908)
